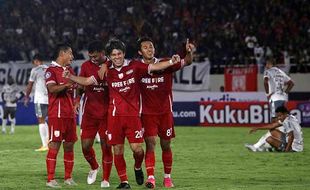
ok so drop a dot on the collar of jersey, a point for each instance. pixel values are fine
(126, 63)
(57, 65)
(155, 60)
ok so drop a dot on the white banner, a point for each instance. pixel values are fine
(20, 71)
(195, 77)
(218, 96)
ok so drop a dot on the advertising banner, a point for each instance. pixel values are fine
(195, 77)
(207, 114)
(240, 79)
(233, 114)
(219, 96)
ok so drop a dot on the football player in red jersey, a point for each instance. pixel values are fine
(157, 118)
(94, 119)
(61, 115)
(125, 106)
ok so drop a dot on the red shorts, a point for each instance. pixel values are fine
(90, 127)
(161, 125)
(62, 129)
(120, 127)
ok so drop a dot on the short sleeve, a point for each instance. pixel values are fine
(33, 76)
(50, 77)
(266, 74)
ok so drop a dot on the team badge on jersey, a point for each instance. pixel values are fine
(56, 133)
(120, 76)
(129, 72)
(47, 75)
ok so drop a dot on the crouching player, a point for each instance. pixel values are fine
(286, 140)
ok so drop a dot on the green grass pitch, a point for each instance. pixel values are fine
(204, 158)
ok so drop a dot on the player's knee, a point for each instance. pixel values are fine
(86, 145)
(165, 144)
(150, 144)
(136, 148)
(68, 146)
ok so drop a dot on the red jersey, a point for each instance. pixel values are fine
(96, 97)
(156, 90)
(60, 105)
(124, 88)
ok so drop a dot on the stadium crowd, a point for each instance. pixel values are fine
(228, 32)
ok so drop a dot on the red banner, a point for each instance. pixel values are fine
(240, 79)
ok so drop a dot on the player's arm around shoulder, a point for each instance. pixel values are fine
(164, 64)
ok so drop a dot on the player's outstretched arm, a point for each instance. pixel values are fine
(269, 127)
(164, 64)
(189, 52)
(85, 81)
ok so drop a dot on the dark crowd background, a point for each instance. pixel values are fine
(227, 32)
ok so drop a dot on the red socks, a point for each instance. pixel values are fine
(90, 157)
(69, 162)
(120, 166)
(167, 160)
(107, 160)
(150, 163)
(51, 163)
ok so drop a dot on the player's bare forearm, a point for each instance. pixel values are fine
(290, 140)
(266, 86)
(164, 64)
(290, 85)
(102, 72)
(266, 127)
(85, 81)
(189, 53)
(29, 89)
(55, 89)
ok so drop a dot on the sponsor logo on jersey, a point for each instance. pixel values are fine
(151, 87)
(129, 72)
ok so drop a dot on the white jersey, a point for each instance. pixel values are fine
(37, 76)
(10, 94)
(276, 82)
(291, 124)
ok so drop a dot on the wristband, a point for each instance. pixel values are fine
(170, 62)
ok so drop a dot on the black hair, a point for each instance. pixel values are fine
(60, 47)
(95, 46)
(37, 57)
(143, 39)
(282, 109)
(270, 60)
(115, 44)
